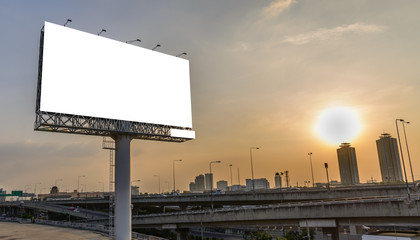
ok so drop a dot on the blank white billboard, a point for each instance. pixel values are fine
(88, 75)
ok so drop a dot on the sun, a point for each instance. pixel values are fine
(337, 125)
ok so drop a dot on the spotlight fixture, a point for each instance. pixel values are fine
(102, 31)
(158, 45)
(68, 20)
(135, 40)
(179, 55)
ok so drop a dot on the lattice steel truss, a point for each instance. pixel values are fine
(67, 123)
(64, 123)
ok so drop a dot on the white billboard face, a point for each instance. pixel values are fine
(88, 75)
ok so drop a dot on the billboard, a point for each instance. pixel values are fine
(86, 75)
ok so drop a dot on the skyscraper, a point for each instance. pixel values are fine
(209, 181)
(199, 183)
(277, 180)
(389, 158)
(347, 163)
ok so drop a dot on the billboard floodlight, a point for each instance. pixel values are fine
(135, 40)
(68, 20)
(158, 45)
(179, 55)
(102, 31)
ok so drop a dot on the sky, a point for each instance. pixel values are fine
(261, 72)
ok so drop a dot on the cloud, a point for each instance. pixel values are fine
(323, 34)
(277, 7)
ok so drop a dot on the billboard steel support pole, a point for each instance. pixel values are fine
(122, 188)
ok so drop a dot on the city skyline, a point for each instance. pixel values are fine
(261, 74)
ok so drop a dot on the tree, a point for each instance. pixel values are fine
(258, 236)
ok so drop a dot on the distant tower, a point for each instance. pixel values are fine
(286, 173)
(199, 183)
(389, 159)
(347, 163)
(209, 181)
(277, 180)
(222, 185)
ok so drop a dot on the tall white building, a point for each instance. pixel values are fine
(389, 158)
(209, 181)
(277, 180)
(347, 163)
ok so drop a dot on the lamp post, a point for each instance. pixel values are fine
(252, 167)
(408, 151)
(131, 183)
(328, 179)
(231, 182)
(239, 179)
(211, 182)
(158, 182)
(35, 187)
(173, 168)
(402, 158)
(137, 180)
(312, 170)
(78, 182)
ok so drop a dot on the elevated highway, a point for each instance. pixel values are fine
(251, 198)
(16, 207)
(326, 214)
(395, 211)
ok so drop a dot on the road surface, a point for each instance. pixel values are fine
(29, 231)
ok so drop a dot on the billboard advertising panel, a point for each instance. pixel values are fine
(88, 75)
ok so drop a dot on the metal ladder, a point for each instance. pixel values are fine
(110, 145)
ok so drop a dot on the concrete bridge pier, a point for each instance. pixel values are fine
(182, 234)
(330, 233)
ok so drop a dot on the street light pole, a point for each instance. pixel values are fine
(312, 170)
(211, 182)
(239, 179)
(131, 184)
(402, 158)
(78, 182)
(328, 179)
(408, 152)
(173, 168)
(252, 167)
(158, 183)
(231, 182)
(35, 188)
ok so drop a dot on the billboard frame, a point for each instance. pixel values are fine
(87, 125)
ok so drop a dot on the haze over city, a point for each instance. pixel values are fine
(262, 73)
